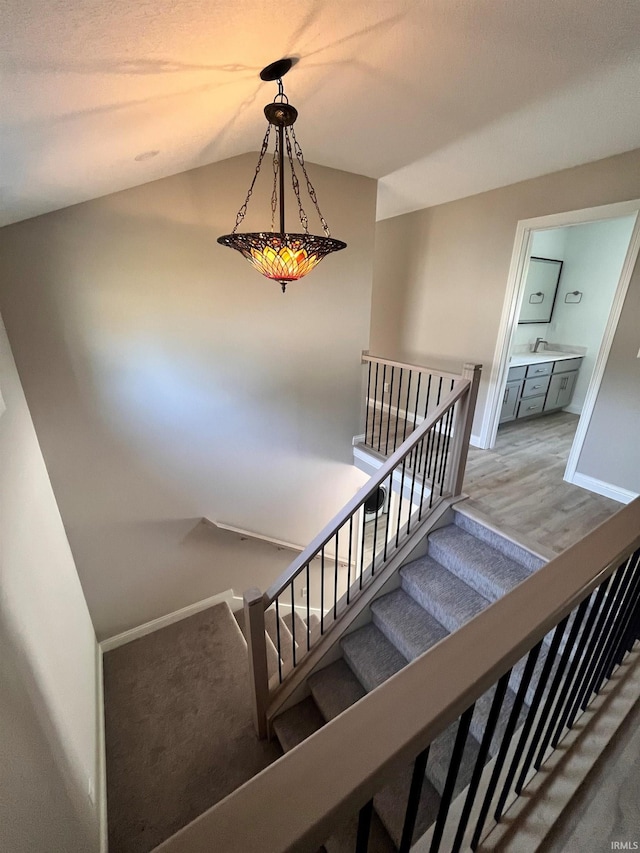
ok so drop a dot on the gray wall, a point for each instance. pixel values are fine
(445, 301)
(169, 381)
(48, 654)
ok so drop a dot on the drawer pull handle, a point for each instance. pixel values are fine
(531, 407)
(533, 387)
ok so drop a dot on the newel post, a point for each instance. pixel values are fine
(257, 649)
(462, 427)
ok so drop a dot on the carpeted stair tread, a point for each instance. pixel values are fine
(371, 656)
(343, 839)
(296, 724)
(299, 629)
(391, 805)
(442, 593)
(406, 624)
(273, 629)
(440, 758)
(479, 565)
(335, 688)
(510, 549)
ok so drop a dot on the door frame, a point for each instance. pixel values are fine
(511, 310)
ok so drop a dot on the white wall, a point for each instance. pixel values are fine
(48, 655)
(169, 381)
(593, 255)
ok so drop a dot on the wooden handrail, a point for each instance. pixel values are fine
(328, 532)
(294, 804)
(375, 359)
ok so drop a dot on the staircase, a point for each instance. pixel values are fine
(466, 568)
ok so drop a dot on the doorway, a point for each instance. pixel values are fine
(592, 253)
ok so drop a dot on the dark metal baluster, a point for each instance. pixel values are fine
(620, 592)
(308, 610)
(335, 582)
(433, 479)
(386, 444)
(278, 641)
(453, 382)
(400, 497)
(528, 723)
(426, 402)
(364, 827)
(413, 802)
(579, 661)
(322, 590)
(621, 628)
(415, 408)
(293, 625)
(366, 414)
(395, 432)
(406, 406)
(384, 382)
(452, 775)
(538, 737)
(413, 483)
(375, 405)
(439, 391)
(445, 451)
(492, 721)
(433, 432)
(594, 646)
(424, 472)
(388, 514)
(529, 668)
(375, 540)
(349, 563)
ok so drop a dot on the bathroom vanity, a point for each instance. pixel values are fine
(539, 383)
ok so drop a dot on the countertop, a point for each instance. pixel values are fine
(541, 357)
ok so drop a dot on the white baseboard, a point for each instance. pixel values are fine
(169, 619)
(476, 441)
(607, 490)
(574, 409)
(101, 769)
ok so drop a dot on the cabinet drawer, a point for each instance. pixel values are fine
(540, 369)
(567, 364)
(517, 373)
(530, 407)
(535, 386)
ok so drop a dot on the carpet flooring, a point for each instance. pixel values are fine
(179, 735)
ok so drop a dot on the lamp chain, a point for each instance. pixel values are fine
(241, 213)
(310, 188)
(274, 192)
(304, 220)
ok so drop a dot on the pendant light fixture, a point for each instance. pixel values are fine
(282, 255)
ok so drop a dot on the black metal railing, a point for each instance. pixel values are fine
(399, 397)
(560, 676)
(359, 544)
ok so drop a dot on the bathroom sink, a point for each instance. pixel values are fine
(543, 355)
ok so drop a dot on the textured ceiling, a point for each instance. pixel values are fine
(437, 98)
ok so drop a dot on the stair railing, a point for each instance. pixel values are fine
(351, 551)
(567, 632)
(399, 397)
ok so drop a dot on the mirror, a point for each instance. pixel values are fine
(540, 290)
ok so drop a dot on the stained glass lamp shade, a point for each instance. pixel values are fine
(280, 255)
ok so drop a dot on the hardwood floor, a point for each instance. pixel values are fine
(519, 483)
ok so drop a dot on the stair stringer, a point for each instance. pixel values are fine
(358, 613)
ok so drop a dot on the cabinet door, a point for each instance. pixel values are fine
(510, 401)
(560, 390)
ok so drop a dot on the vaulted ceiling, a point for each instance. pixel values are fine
(438, 99)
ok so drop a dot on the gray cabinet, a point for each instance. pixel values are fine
(560, 390)
(510, 401)
(533, 389)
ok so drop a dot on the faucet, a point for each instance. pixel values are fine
(537, 344)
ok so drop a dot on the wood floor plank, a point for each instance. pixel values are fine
(519, 483)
